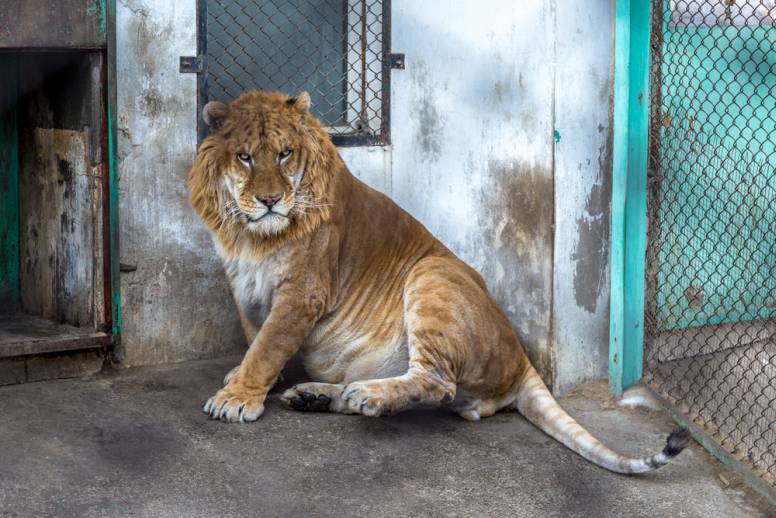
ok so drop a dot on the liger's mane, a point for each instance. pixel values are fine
(208, 195)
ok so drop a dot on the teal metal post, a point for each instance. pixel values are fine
(629, 192)
(113, 174)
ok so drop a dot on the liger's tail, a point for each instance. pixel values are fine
(536, 403)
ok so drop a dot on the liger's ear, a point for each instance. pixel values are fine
(301, 102)
(214, 114)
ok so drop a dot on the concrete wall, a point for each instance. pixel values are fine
(583, 168)
(476, 118)
(502, 147)
(174, 306)
(472, 125)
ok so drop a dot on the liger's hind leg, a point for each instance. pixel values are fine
(417, 388)
(434, 330)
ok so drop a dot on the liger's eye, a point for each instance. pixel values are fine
(284, 154)
(244, 157)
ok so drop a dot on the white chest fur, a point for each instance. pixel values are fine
(252, 281)
(254, 284)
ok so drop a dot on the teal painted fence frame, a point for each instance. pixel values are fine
(629, 192)
(113, 173)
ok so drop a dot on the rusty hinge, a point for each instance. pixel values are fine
(396, 61)
(192, 64)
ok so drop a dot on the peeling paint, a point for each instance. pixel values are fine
(151, 103)
(429, 129)
(428, 119)
(521, 226)
(487, 192)
(592, 250)
(582, 108)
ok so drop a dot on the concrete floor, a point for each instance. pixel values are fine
(134, 443)
(732, 391)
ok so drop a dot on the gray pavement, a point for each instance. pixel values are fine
(134, 443)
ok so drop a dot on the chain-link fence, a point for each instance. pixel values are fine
(333, 49)
(710, 322)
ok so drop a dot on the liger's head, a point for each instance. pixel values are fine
(260, 163)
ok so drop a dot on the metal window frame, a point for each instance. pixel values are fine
(383, 138)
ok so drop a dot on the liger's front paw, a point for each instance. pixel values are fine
(230, 375)
(234, 406)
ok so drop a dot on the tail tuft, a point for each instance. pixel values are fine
(676, 442)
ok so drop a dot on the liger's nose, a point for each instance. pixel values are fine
(269, 200)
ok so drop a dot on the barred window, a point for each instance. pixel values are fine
(337, 50)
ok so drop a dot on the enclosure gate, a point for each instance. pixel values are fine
(710, 308)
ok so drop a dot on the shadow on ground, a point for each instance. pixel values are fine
(135, 443)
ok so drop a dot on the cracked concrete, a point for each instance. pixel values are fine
(134, 443)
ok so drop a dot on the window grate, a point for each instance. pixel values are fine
(337, 50)
(710, 321)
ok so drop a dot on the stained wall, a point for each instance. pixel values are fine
(501, 144)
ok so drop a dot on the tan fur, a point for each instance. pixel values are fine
(384, 315)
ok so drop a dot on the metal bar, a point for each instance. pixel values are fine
(357, 140)
(385, 108)
(619, 181)
(113, 176)
(105, 197)
(629, 173)
(202, 77)
(363, 117)
(636, 194)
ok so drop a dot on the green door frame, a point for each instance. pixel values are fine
(629, 192)
(113, 174)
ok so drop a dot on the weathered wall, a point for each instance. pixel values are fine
(472, 144)
(474, 156)
(502, 147)
(176, 305)
(59, 119)
(583, 159)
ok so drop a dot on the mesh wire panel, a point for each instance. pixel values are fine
(332, 49)
(710, 322)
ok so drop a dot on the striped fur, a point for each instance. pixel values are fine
(536, 403)
(383, 315)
